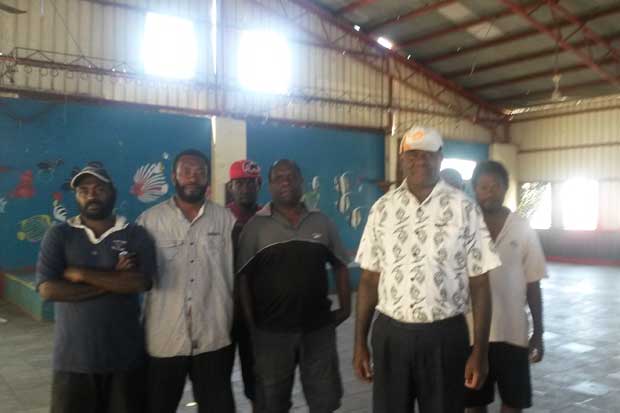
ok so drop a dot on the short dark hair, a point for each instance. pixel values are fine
(197, 154)
(490, 168)
(288, 162)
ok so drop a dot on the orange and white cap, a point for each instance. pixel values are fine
(419, 138)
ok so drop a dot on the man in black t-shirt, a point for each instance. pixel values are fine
(282, 257)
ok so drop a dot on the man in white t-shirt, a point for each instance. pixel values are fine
(514, 284)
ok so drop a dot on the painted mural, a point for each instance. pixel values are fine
(43, 145)
(340, 169)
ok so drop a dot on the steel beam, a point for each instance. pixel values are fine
(518, 36)
(537, 94)
(464, 26)
(587, 32)
(557, 37)
(521, 58)
(372, 43)
(421, 11)
(354, 6)
(539, 74)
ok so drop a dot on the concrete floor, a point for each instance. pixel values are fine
(580, 372)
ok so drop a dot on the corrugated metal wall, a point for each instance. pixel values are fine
(329, 86)
(558, 144)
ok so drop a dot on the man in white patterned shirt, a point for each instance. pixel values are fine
(425, 250)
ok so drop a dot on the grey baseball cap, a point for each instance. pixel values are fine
(94, 170)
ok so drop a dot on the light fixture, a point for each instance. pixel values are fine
(264, 62)
(169, 47)
(385, 42)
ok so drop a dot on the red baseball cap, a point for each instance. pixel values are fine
(244, 169)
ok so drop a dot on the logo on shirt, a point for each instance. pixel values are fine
(316, 235)
(119, 245)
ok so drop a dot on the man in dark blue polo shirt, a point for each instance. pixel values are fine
(93, 267)
(282, 258)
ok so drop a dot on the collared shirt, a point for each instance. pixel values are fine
(286, 268)
(523, 262)
(189, 309)
(425, 252)
(102, 334)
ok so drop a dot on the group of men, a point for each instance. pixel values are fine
(213, 279)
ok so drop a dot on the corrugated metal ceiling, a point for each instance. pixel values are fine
(463, 55)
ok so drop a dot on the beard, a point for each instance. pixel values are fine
(96, 210)
(191, 195)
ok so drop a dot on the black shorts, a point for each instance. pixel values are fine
(117, 392)
(509, 367)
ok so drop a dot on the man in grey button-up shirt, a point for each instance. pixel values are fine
(189, 310)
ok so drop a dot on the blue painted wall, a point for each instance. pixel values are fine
(122, 138)
(344, 162)
(466, 150)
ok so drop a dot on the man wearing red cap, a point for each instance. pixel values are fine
(245, 182)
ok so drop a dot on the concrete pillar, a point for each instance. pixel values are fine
(228, 144)
(506, 154)
(391, 151)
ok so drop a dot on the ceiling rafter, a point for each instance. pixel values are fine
(561, 41)
(521, 58)
(520, 35)
(421, 11)
(354, 6)
(464, 26)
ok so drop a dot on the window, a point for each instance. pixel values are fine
(536, 204)
(264, 62)
(464, 166)
(580, 204)
(169, 47)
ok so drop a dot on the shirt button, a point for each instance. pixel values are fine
(411, 306)
(190, 299)
(191, 261)
(191, 243)
(191, 280)
(411, 279)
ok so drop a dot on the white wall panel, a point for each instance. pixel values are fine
(81, 27)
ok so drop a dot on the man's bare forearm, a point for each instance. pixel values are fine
(367, 297)
(534, 301)
(62, 290)
(481, 303)
(119, 282)
(344, 291)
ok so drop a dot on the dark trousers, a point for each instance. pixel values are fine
(210, 375)
(423, 362)
(117, 392)
(242, 339)
(277, 356)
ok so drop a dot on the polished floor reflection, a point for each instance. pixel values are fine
(580, 373)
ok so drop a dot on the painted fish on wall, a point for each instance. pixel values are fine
(33, 229)
(149, 182)
(59, 212)
(312, 198)
(25, 187)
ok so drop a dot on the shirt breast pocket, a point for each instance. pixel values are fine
(215, 242)
(168, 250)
